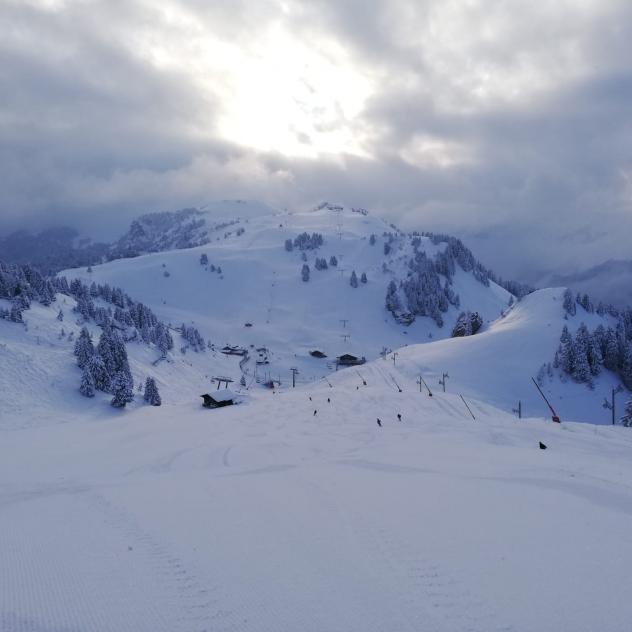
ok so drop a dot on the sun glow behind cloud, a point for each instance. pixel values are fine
(286, 96)
(274, 92)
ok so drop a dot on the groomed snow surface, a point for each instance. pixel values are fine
(266, 516)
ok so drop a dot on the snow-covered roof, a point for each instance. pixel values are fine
(222, 395)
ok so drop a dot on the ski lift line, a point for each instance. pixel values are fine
(466, 406)
(379, 371)
(396, 384)
(427, 387)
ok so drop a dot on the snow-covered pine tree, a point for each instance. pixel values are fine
(60, 316)
(163, 339)
(581, 365)
(565, 355)
(393, 303)
(84, 349)
(626, 365)
(372, 239)
(353, 281)
(289, 246)
(87, 387)
(333, 261)
(569, 304)
(203, 259)
(626, 418)
(611, 350)
(151, 395)
(122, 389)
(363, 278)
(97, 370)
(305, 273)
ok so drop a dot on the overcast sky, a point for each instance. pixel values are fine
(507, 123)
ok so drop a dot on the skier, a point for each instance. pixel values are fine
(399, 417)
(315, 413)
(328, 401)
(379, 422)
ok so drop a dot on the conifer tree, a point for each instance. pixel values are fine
(122, 390)
(84, 349)
(611, 350)
(626, 419)
(97, 370)
(581, 366)
(566, 352)
(392, 299)
(305, 273)
(152, 396)
(569, 303)
(354, 279)
(87, 388)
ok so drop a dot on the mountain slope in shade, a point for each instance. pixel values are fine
(610, 282)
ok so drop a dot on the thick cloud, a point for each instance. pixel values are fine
(506, 123)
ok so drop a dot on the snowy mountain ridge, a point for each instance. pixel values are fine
(281, 299)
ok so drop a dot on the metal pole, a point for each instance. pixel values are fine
(613, 411)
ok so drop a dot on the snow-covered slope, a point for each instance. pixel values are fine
(186, 228)
(260, 284)
(497, 365)
(265, 516)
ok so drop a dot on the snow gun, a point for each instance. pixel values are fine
(555, 418)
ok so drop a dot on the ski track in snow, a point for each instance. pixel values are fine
(130, 581)
(421, 595)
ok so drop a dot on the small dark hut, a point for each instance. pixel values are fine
(346, 359)
(238, 351)
(317, 354)
(218, 399)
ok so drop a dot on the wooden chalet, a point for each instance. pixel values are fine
(317, 354)
(238, 351)
(346, 359)
(218, 399)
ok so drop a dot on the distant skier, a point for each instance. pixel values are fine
(379, 422)
(310, 398)
(399, 417)
(315, 413)
(328, 401)
(542, 446)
